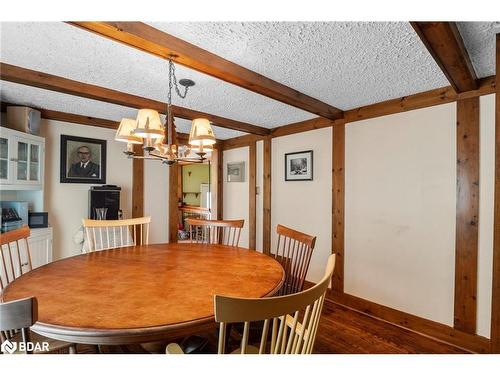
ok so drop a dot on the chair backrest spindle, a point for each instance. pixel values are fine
(118, 233)
(225, 232)
(293, 251)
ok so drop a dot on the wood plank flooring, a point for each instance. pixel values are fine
(345, 331)
(341, 331)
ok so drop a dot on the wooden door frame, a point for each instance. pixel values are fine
(175, 191)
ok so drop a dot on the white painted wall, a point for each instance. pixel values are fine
(67, 204)
(156, 199)
(400, 198)
(304, 205)
(236, 193)
(486, 200)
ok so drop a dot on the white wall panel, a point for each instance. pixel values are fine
(236, 193)
(486, 199)
(305, 205)
(400, 211)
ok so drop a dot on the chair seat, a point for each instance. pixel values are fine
(54, 345)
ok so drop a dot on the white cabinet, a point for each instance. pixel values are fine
(21, 160)
(40, 242)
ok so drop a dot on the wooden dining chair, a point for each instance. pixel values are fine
(16, 318)
(225, 232)
(15, 255)
(293, 251)
(290, 322)
(111, 234)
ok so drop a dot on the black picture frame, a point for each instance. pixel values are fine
(299, 176)
(68, 173)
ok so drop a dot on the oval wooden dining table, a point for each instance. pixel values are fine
(142, 294)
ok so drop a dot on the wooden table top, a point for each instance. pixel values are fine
(141, 293)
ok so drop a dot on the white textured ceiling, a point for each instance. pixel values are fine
(346, 64)
(60, 49)
(479, 39)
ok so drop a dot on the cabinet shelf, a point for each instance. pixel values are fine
(196, 193)
(21, 160)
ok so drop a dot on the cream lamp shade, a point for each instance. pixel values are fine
(124, 132)
(148, 124)
(201, 134)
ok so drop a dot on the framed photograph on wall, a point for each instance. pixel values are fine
(236, 172)
(83, 160)
(299, 166)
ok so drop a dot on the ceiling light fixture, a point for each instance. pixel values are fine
(160, 141)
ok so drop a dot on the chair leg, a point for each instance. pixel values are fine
(72, 349)
(26, 338)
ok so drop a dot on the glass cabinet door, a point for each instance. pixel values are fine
(34, 170)
(4, 158)
(22, 161)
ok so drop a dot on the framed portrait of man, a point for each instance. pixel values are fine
(83, 160)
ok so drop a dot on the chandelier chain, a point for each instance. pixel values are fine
(173, 77)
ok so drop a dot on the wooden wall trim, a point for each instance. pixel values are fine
(216, 180)
(148, 39)
(266, 220)
(173, 202)
(439, 331)
(51, 82)
(425, 99)
(445, 44)
(70, 117)
(220, 183)
(338, 201)
(137, 184)
(467, 215)
(495, 296)
(242, 141)
(302, 126)
(252, 196)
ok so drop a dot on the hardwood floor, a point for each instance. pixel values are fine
(341, 331)
(345, 331)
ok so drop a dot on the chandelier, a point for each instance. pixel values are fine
(159, 141)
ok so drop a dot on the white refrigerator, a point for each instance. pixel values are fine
(205, 201)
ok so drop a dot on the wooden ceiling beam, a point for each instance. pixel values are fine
(148, 39)
(73, 118)
(445, 44)
(51, 82)
(69, 117)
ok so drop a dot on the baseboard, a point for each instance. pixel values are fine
(426, 327)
